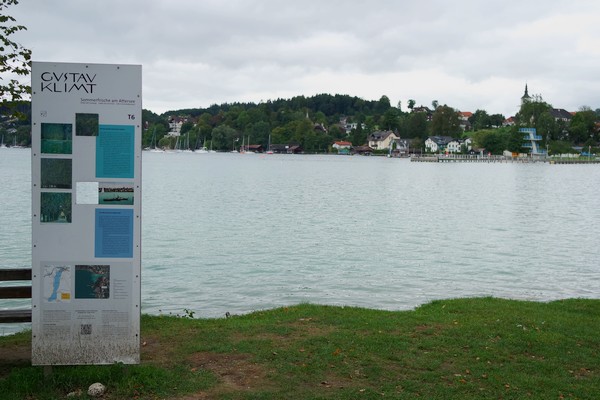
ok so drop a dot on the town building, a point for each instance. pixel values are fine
(381, 140)
(436, 144)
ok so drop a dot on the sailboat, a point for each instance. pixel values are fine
(248, 151)
(187, 148)
(202, 150)
(177, 148)
(15, 145)
(269, 151)
(153, 148)
(211, 150)
(2, 145)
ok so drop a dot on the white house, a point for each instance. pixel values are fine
(350, 126)
(453, 146)
(342, 145)
(175, 124)
(437, 143)
(401, 148)
(456, 145)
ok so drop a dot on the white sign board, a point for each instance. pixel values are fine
(86, 213)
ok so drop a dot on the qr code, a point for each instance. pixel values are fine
(86, 329)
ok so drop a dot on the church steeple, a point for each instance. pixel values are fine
(525, 98)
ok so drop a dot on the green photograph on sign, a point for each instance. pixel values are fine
(56, 173)
(57, 138)
(86, 124)
(55, 207)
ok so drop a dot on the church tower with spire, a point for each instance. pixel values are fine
(525, 98)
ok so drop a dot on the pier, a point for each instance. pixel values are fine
(452, 158)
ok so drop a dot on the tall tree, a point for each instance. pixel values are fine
(480, 120)
(224, 137)
(15, 60)
(416, 126)
(445, 122)
(496, 120)
(583, 126)
(391, 120)
(515, 141)
(495, 141)
(383, 105)
(359, 135)
(411, 104)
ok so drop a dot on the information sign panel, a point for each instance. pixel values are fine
(86, 213)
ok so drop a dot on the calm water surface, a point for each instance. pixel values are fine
(237, 233)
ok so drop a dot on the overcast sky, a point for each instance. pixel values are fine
(467, 54)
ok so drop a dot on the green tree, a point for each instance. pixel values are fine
(358, 135)
(411, 104)
(280, 135)
(336, 132)
(417, 125)
(391, 120)
(370, 123)
(320, 118)
(186, 127)
(496, 120)
(383, 105)
(224, 137)
(546, 126)
(304, 134)
(15, 60)
(583, 126)
(560, 147)
(480, 120)
(155, 131)
(259, 132)
(445, 122)
(494, 141)
(515, 140)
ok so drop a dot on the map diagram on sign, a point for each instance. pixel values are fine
(57, 283)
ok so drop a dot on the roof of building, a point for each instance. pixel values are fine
(422, 108)
(441, 140)
(378, 136)
(359, 149)
(561, 113)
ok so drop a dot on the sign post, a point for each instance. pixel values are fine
(86, 213)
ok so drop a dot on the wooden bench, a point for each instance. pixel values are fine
(15, 292)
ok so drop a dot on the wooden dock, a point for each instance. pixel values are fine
(452, 158)
(466, 158)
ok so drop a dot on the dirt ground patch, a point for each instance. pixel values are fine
(236, 372)
(12, 356)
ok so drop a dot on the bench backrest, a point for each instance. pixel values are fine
(15, 292)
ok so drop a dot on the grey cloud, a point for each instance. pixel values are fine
(197, 52)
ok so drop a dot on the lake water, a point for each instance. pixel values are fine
(236, 233)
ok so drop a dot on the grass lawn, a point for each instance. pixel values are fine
(481, 348)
